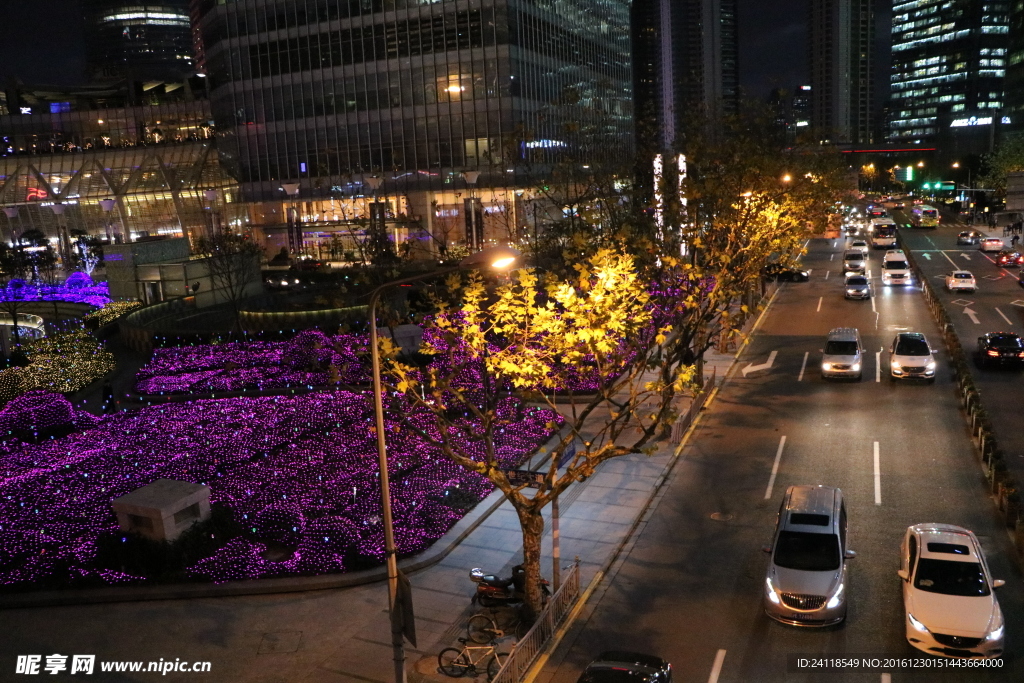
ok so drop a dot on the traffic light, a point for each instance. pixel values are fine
(926, 186)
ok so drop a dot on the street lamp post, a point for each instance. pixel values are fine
(499, 258)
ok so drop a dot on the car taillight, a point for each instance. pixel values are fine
(993, 353)
(1020, 355)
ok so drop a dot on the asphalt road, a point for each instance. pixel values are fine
(998, 305)
(690, 587)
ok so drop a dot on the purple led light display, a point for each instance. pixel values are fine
(79, 288)
(312, 358)
(298, 472)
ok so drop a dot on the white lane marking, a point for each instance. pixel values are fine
(873, 309)
(972, 314)
(1008, 321)
(927, 256)
(878, 365)
(827, 273)
(831, 256)
(803, 366)
(716, 669)
(955, 264)
(930, 241)
(988, 257)
(763, 366)
(775, 469)
(878, 479)
(833, 244)
(818, 310)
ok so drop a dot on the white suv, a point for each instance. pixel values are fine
(843, 355)
(910, 357)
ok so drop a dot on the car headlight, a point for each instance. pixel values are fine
(996, 633)
(836, 598)
(851, 291)
(916, 624)
(770, 590)
(826, 366)
(896, 365)
(930, 365)
(855, 367)
(995, 626)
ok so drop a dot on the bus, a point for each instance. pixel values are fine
(924, 216)
(883, 234)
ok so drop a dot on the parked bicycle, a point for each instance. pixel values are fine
(457, 663)
(494, 624)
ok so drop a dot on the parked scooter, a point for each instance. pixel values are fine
(492, 591)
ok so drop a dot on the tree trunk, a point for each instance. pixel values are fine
(532, 522)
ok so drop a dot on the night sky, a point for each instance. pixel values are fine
(41, 42)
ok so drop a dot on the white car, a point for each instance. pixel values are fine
(951, 610)
(991, 244)
(961, 280)
(859, 245)
(910, 357)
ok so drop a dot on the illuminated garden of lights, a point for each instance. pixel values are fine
(294, 472)
(312, 358)
(78, 288)
(64, 362)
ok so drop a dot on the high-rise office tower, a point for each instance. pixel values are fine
(685, 62)
(142, 41)
(1014, 80)
(841, 41)
(439, 102)
(948, 66)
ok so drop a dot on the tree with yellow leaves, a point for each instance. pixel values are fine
(525, 341)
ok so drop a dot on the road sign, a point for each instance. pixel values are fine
(568, 454)
(526, 478)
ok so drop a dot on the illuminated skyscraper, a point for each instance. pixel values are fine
(685, 61)
(948, 64)
(841, 39)
(140, 40)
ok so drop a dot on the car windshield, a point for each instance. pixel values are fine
(856, 281)
(912, 346)
(950, 578)
(962, 276)
(854, 256)
(1005, 342)
(841, 348)
(807, 552)
(895, 265)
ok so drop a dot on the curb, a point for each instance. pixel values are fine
(556, 639)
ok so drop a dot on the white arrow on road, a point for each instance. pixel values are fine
(762, 366)
(966, 256)
(972, 314)
(927, 255)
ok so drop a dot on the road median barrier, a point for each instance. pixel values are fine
(1003, 486)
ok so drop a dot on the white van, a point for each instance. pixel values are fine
(895, 268)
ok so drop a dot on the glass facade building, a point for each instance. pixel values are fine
(948, 67)
(140, 40)
(83, 159)
(320, 95)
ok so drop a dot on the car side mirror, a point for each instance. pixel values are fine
(766, 548)
(903, 574)
(849, 555)
(996, 583)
